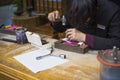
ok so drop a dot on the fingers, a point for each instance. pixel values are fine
(57, 14)
(53, 16)
(70, 37)
(70, 33)
(75, 35)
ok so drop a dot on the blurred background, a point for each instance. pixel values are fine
(31, 14)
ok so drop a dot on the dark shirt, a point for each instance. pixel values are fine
(104, 32)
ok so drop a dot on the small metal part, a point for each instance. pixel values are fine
(115, 54)
(63, 20)
(63, 56)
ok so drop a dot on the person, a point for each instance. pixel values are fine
(94, 22)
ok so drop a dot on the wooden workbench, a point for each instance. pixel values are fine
(79, 67)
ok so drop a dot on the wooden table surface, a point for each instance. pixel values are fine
(79, 67)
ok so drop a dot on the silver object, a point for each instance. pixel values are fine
(62, 56)
(63, 20)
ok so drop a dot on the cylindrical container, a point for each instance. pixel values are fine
(21, 36)
(110, 64)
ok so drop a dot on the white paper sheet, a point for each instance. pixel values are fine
(29, 60)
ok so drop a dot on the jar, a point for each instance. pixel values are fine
(109, 64)
(21, 36)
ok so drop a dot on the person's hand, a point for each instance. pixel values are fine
(53, 16)
(75, 35)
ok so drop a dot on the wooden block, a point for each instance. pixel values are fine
(78, 49)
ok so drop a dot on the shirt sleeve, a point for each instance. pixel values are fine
(113, 39)
(89, 40)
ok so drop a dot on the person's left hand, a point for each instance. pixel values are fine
(75, 35)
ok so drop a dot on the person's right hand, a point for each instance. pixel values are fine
(53, 16)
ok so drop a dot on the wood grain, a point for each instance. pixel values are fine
(79, 67)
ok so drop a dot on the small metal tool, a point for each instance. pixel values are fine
(50, 54)
(40, 57)
(63, 20)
